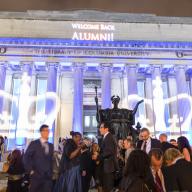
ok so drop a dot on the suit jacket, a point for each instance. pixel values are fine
(133, 184)
(178, 176)
(86, 162)
(154, 144)
(108, 155)
(36, 160)
(166, 145)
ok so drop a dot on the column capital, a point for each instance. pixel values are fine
(4, 64)
(179, 67)
(52, 65)
(156, 70)
(171, 72)
(156, 67)
(103, 66)
(26, 62)
(128, 66)
(106, 65)
(26, 65)
(79, 66)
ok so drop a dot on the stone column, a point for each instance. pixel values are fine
(32, 110)
(149, 103)
(105, 86)
(131, 72)
(2, 83)
(182, 101)
(6, 110)
(78, 97)
(50, 103)
(173, 108)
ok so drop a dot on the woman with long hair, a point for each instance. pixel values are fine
(184, 147)
(15, 172)
(136, 172)
(2, 148)
(86, 165)
(97, 175)
(70, 177)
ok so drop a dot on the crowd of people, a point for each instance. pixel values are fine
(149, 165)
(3, 147)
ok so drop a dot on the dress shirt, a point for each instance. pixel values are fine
(45, 145)
(148, 147)
(160, 174)
(105, 135)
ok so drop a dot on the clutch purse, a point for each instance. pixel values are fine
(5, 167)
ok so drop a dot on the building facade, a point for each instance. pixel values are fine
(50, 63)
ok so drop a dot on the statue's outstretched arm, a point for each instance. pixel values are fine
(97, 106)
(98, 117)
(136, 107)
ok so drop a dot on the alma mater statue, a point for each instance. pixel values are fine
(121, 120)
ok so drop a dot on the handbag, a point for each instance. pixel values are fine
(5, 167)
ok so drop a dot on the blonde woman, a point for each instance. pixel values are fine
(178, 173)
(171, 155)
(97, 174)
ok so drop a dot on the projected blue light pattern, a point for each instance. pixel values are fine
(23, 124)
(17, 124)
(45, 42)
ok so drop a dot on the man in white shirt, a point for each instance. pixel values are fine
(38, 160)
(147, 143)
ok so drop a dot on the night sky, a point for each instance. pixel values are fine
(158, 7)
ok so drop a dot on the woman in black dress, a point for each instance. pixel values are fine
(15, 172)
(136, 173)
(86, 165)
(70, 176)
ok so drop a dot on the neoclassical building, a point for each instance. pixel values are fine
(50, 63)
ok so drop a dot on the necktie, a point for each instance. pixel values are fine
(145, 146)
(159, 187)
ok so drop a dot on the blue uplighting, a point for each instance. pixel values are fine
(69, 42)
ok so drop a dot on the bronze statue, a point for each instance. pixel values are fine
(121, 120)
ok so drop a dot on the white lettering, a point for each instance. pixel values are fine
(85, 26)
(88, 26)
(75, 36)
(107, 27)
(95, 32)
(93, 36)
(103, 37)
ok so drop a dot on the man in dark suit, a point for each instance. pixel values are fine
(164, 144)
(108, 158)
(178, 175)
(155, 178)
(38, 162)
(147, 143)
